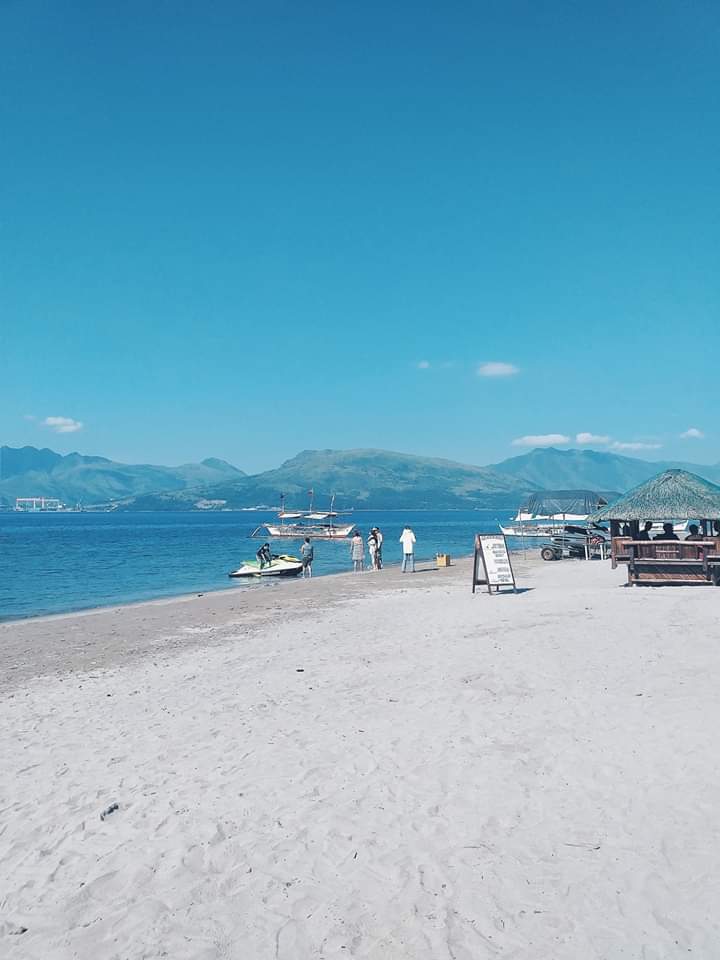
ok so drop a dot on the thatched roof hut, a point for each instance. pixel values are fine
(672, 495)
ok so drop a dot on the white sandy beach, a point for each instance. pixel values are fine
(370, 767)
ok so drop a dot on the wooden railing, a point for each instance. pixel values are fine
(625, 549)
(672, 561)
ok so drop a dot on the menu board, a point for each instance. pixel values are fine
(491, 564)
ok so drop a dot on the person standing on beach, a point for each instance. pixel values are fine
(357, 552)
(379, 538)
(307, 553)
(407, 539)
(373, 550)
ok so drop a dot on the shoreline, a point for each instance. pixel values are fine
(28, 644)
(171, 597)
(515, 552)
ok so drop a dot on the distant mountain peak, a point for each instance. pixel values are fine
(216, 463)
(18, 460)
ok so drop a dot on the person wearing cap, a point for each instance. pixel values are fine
(372, 550)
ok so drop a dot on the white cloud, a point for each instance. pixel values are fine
(29, 416)
(541, 440)
(600, 439)
(495, 368)
(62, 424)
(635, 445)
(692, 433)
(423, 364)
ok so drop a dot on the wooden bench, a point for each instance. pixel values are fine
(671, 561)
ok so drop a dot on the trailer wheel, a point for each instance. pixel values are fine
(547, 553)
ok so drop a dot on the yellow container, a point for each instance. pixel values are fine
(443, 559)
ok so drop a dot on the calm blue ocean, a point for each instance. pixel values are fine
(52, 563)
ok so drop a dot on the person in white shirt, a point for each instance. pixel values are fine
(373, 550)
(407, 539)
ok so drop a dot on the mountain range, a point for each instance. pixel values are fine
(551, 468)
(74, 478)
(361, 478)
(376, 479)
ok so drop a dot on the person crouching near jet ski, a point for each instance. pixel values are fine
(264, 557)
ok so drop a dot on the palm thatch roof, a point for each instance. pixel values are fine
(672, 495)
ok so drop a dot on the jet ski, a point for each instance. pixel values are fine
(281, 566)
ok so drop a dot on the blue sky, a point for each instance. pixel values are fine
(246, 229)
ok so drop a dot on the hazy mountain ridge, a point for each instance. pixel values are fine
(593, 469)
(75, 478)
(359, 478)
(362, 478)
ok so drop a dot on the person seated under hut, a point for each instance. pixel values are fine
(668, 533)
(645, 532)
(694, 533)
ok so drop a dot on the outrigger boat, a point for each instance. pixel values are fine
(548, 513)
(321, 527)
(281, 565)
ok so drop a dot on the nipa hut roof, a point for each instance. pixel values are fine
(673, 495)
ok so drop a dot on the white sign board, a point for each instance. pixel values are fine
(491, 551)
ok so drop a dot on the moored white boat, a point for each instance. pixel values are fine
(549, 512)
(316, 530)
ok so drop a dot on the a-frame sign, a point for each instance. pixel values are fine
(491, 562)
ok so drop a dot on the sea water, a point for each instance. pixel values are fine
(58, 562)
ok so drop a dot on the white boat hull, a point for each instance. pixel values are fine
(550, 517)
(540, 531)
(296, 531)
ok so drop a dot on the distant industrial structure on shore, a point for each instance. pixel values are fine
(38, 505)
